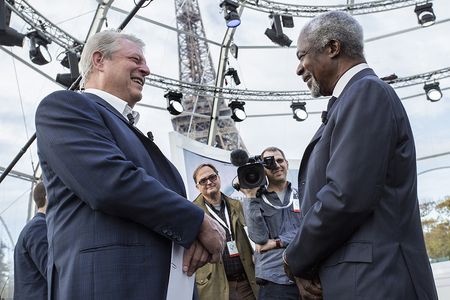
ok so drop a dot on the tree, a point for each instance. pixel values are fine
(437, 228)
(4, 267)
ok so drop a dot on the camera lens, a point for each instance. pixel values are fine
(252, 178)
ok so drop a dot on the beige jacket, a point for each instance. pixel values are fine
(211, 279)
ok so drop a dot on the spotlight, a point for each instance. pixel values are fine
(288, 21)
(234, 50)
(425, 14)
(70, 60)
(233, 73)
(237, 110)
(230, 10)
(275, 33)
(174, 105)
(39, 41)
(8, 36)
(299, 111)
(433, 91)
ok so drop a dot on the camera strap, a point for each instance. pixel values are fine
(291, 200)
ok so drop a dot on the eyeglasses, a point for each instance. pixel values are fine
(211, 178)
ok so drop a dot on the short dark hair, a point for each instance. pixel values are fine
(39, 195)
(201, 166)
(272, 149)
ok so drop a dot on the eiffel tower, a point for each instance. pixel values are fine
(195, 66)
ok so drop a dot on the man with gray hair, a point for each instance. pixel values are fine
(360, 236)
(116, 203)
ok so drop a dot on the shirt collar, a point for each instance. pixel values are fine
(345, 78)
(120, 105)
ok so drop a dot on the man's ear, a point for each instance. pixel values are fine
(334, 48)
(97, 60)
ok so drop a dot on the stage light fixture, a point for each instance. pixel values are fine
(425, 14)
(433, 91)
(38, 48)
(288, 21)
(230, 13)
(70, 61)
(174, 105)
(237, 110)
(275, 33)
(299, 111)
(234, 50)
(8, 35)
(233, 73)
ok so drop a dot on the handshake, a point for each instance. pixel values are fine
(208, 247)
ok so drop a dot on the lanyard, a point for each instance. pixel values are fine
(219, 219)
(291, 199)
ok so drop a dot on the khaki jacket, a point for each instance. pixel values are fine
(211, 279)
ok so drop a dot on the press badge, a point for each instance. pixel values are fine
(232, 249)
(295, 202)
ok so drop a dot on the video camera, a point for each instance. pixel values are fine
(251, 169)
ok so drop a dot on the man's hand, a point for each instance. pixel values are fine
(250, 193)
(270, 244)
(195, 257)
(309, 289)
(212, 237)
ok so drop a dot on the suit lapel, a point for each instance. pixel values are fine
(168, 175)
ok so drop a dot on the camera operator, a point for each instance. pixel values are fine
(273, 216)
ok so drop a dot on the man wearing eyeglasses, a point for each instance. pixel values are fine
(234, 276)
(273, 217)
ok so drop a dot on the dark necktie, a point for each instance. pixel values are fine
(130, 118)
(325, 113)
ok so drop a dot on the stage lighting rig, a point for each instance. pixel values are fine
(237, 110)
(275, 33)
(433, 91)
(425, 14)
(233, 73)
(38, 48)
(231, 15)
(174, 105)
(8, 35)
(299, 111)
(70, 61)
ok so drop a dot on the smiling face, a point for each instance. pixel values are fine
(123, 74)
(279, 174)
(316, 67)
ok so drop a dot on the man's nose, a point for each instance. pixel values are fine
(300, 70)
(144, 69)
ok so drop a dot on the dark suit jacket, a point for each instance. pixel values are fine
(30, 261)
(361, 229)
(116, 203)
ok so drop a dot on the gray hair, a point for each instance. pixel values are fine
(335, 25)
(107, 42)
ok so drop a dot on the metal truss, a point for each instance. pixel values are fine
(420, 78)
(299, 10)
(196, 69)
(229, 94)
(37, 21)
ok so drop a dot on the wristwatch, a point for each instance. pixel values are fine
(278, 243)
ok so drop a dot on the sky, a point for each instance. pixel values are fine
(417, 51)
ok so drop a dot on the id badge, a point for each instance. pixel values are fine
(232, 249)
(296, 205)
